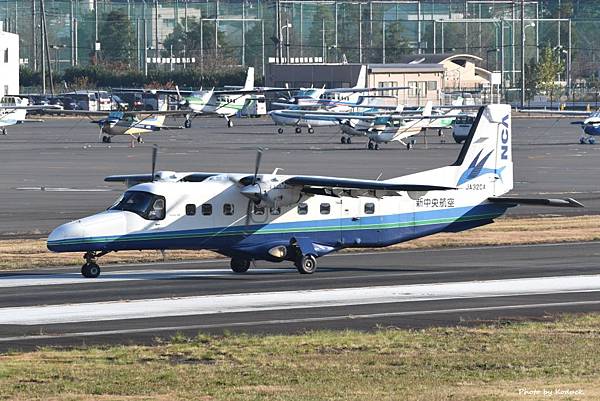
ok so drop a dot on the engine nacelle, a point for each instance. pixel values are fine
(272, 193)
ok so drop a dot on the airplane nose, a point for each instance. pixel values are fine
(67, 231)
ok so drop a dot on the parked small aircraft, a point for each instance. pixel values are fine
(299, 218)
(13, 110)
(132, 123)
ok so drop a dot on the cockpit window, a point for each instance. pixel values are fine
(144, 204)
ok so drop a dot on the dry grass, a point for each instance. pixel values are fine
(18, 254)
(485, 363)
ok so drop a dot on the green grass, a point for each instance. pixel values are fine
(490, 362)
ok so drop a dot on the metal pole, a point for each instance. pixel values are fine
(569, 61)
(434, 37)
(287, 41)
(419, 50)
(467, 29)
(301, 31)
(96, 31)
(522, 53)
(185, 16)
(145, 46)
(443, 47)
(244, 33)
(45, 30)
(383, 40)
(501, 59)
(76, 41)
(323, 39)
(156, 29)
(278, 28)
(201, 44)
(537, 32)
(72, 19)
(336, 28)
(33, 38)
(262, 30)
(360, 41)
(43, 52)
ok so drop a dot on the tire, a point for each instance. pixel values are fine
(90, 270)
(370, 145)
(311, 131)
(229, 123)
(348, 140)
(298, 130)
(306, 264)
(239, 265)
(343, 140)
(376, 146)
(280, 131)
(187, 124)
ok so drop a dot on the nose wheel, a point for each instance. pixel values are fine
(90, 268)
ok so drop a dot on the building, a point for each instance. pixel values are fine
(427, 76)
(9, 62)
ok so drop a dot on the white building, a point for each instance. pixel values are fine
(9, 62)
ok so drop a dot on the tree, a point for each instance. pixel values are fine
(547, 72)
(116, 37)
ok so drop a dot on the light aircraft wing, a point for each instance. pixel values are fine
(568, 202)
(557, 112)
(133, 179)
(368, 89)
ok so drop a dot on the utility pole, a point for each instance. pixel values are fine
(34, 53)
(46, 47)
(522, 53)
(156, 29)
(278, 29)
(323, 40)
(96, 31)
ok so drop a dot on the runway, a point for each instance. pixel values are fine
(139, 303)
(53, 172)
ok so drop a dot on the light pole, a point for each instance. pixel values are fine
(523, 26)
(287, 41)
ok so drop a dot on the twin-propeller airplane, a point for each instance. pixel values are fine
(299, 218)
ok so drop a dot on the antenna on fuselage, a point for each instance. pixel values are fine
(154, 155)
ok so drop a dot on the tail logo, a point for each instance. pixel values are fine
(504, 136)
(476, 169)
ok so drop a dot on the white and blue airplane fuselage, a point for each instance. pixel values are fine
(300, 218)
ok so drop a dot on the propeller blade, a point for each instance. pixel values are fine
(259, 153)
(154, 155)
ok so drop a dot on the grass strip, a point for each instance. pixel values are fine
(498, 361)
(30, 253)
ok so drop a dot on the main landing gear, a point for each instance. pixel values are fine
(229, 122)
(90, 268)
(187, 123)
(3, 131)
(306, 264)
(106, 139)
(372, 146)
(346, 140)
(239, 265)
(583, 140)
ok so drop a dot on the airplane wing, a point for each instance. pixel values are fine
(75, 112)
(315, 184)
(368, 89)
(568, 202)
(133, 179)
(557, 112)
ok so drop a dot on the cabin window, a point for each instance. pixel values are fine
(369, 208)
(157, 211)
(325, 208)
(258, 210)
(302, 208)
(228, 209)
(190, 209)
(275, 211)
(206, 209)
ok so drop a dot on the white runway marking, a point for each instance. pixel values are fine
(298, 320)
(281, 300)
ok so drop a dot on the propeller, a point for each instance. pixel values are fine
(252, 188)
(154, 155)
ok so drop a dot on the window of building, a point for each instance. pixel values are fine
(228, 209)
(431, 85)
(325, 208)
(190, 209)
(302, 208)
(412, 92)
(369, 208)
(389, 84)
(206, 209)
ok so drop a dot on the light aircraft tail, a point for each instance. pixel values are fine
(362, 77)
(428, 108)
(249, 79)
(485, 161)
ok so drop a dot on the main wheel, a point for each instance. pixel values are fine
(348, 140)
(591, 141)
(376, 146)
(311, 130)
(280, 130)
(239, 265)
(370, 145)
(306, 264)
(90, 270)
(187, 123)
(229, 123)
(344, 140)
(298, 130)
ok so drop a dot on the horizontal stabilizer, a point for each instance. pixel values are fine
(568, 202)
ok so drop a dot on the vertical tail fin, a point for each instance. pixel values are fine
(428, 108)
(362, 77)
(485, 160)
(249, 79)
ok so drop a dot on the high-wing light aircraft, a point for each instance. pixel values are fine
(13, 110)
(299, 218)
(590, 125)
(131, 123)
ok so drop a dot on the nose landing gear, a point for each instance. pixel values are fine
(90, 268)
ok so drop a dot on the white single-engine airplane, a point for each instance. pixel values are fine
(299, 218)
(130, 123)
(13, 110)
